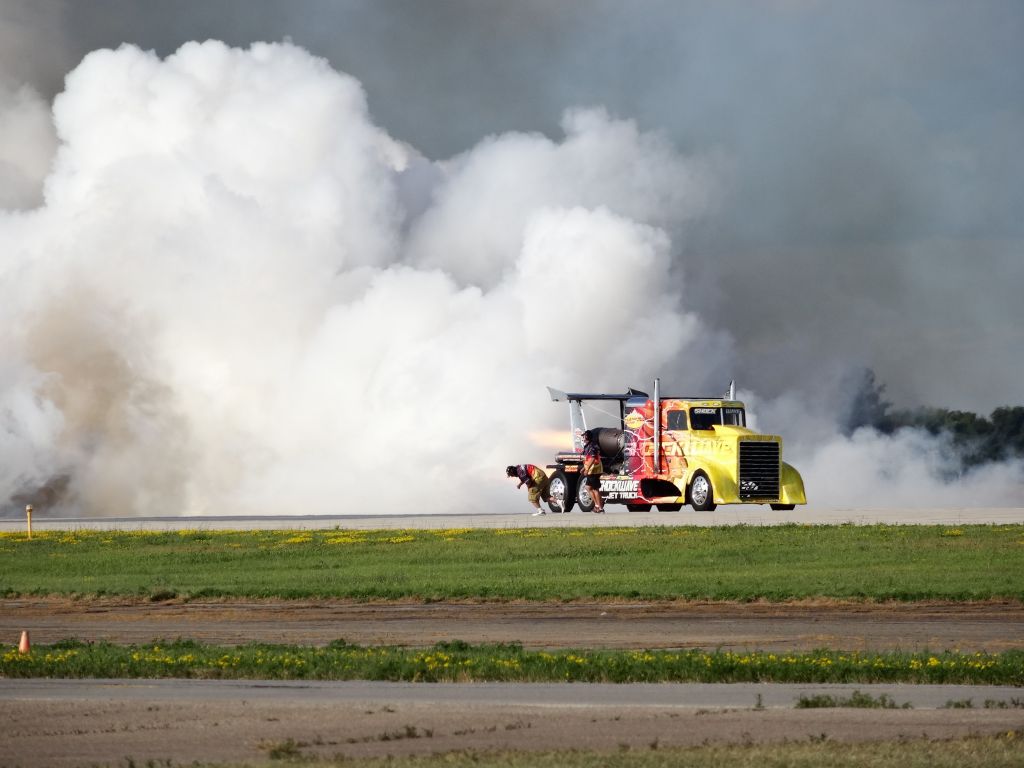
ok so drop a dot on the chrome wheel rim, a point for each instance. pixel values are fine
(556, 492)
(583, 495)
(699, 490)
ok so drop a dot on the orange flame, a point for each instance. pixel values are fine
(559, 440)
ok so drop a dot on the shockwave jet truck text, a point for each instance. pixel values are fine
(670, 451)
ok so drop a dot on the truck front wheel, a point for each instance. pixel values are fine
(702, 495)
(561, 492)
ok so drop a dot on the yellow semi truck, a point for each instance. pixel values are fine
(671, 451)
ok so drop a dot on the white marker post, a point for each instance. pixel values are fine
(28, 516)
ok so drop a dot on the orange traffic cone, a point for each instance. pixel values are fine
(24, 646)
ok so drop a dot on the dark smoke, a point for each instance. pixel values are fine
(868, 406)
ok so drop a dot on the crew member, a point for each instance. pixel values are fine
(535, 480)
(592, 469)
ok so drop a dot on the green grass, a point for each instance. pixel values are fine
(727, 563)
(460, 662)
(1002, 751)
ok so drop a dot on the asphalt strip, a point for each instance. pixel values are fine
(562, 695)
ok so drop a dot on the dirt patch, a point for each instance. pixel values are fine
(66, 733)
(985, 626)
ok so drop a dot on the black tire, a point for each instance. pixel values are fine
(782, 507)
(561, 492)
(701, 494)
(669, 507)
(639, 507)
(583, 498)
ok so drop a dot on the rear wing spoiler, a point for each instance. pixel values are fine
(558, 395)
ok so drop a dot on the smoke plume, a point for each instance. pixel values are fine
(224, 304)
(226, 288)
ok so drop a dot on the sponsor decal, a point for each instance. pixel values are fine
(619, 488)
(667, 449)
(689, 446)
(571, 468)
(634, 420)
(705, 410)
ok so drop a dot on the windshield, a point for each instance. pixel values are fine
(676, 420)
(707, 417)
(734, 417)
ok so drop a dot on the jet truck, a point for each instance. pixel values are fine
(671, 451)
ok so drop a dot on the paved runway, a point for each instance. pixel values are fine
(577, 695)
(617, 516)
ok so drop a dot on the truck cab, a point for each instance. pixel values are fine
(675, 450)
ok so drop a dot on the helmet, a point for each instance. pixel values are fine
(510, 470)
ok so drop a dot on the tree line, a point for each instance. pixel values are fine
(975, 439)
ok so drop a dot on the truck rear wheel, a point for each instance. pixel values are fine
(701, 494)
(561, 492)
(583, 497)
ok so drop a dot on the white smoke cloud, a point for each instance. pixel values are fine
(475, 227)
(27, 144)
(29, 426)
(218, 303)
(907, 469)
(241, 295)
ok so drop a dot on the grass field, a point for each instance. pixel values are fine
(461, 662)
(727, 563)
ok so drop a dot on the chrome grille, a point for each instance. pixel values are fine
(759, 469)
